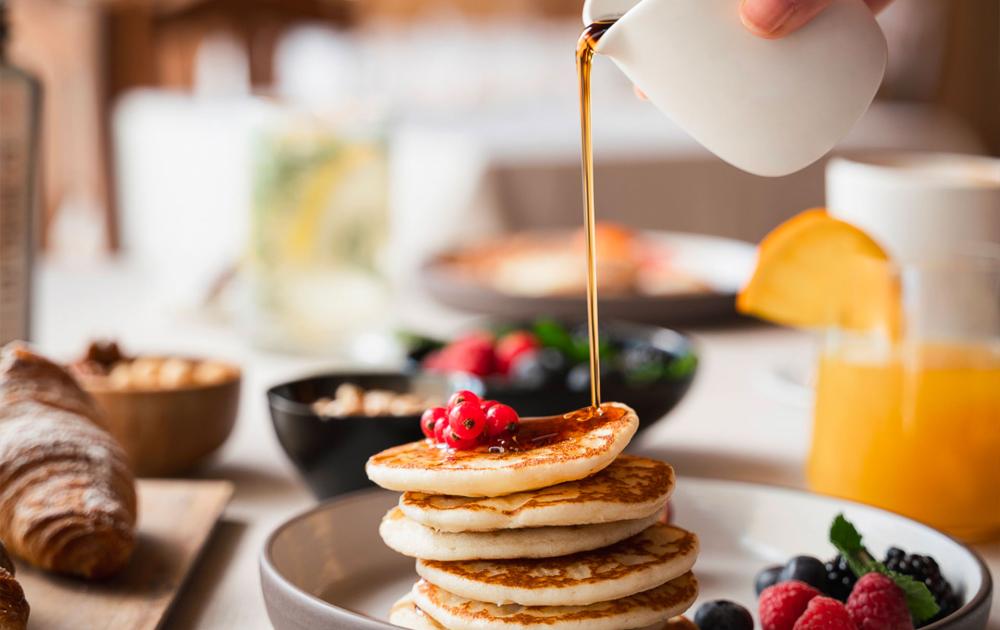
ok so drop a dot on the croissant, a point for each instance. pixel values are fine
(67, 495)
(14, 608)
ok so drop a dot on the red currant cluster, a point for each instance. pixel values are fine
(468, 421)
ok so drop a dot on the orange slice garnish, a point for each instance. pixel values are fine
(814, 271)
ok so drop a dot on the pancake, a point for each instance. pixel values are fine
(544, 452)
(406, 614)
(419, 541)
(652, 557)
(650, 607)
(630, 488)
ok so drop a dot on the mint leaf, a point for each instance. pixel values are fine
(846, 538)
(919, 599)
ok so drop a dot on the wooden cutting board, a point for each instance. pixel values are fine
(176, 519)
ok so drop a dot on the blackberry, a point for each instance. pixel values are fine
(840, 579)
(925, 569)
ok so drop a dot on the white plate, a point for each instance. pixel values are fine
(329, 568)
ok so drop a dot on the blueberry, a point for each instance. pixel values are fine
(805, 569)
(721, 614)
(767, 577)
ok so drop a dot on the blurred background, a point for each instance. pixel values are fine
(246, 192)
(289, 166)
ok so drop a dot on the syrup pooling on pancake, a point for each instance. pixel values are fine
(546, 451)
(635, 611)
(631, 487)
(655, 556)
(547, 437)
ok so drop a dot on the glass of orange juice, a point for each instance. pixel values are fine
(910, 420)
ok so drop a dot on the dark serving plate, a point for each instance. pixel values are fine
(330, 452)
(722, 264)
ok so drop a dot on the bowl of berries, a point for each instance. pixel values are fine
(541, 367)
(330, 424)
(859, 589)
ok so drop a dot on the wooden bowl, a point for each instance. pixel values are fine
(167, 432)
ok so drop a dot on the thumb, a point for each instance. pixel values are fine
(777, 18)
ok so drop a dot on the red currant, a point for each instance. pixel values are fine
(467, 420)
(486, 404)
(430, 418)
(458, 443)
(440, 430)
(462, 396)
(501, 420)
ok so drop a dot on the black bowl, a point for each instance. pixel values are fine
(330, 453)
(651, 401)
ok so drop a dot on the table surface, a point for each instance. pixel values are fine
(736, 394)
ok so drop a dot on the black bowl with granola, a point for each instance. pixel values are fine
(330, 424)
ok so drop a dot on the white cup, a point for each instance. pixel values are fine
(770, 107)
(918, 206)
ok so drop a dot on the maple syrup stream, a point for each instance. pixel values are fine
(584, 61)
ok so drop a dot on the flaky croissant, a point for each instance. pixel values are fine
(67, 496)
(14, 608)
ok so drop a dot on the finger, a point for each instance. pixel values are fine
(777, 18)
(877, 5)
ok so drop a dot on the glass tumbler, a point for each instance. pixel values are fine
(907, 417)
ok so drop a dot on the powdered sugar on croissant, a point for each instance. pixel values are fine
(67, 495)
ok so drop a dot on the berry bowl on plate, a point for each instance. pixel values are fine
(541, 368)
(330, 424)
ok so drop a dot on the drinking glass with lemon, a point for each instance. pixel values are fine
(907, 409)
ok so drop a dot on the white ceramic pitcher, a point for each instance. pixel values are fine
(770, 107)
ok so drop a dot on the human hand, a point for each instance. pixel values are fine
(776, 18)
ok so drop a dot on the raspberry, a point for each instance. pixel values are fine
(825, 613)
(511, 346)
(876, 603)
(782, 604)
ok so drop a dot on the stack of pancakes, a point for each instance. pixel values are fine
(562, 532)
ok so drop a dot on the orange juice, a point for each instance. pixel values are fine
(914, 429)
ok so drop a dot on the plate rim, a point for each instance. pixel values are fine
(267, 567)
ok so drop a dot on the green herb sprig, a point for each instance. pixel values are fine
(846, 538)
